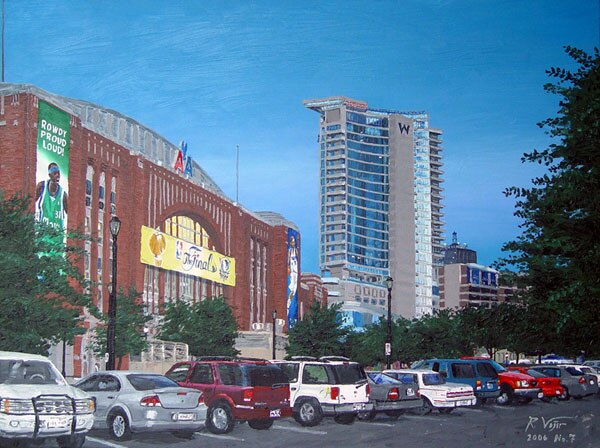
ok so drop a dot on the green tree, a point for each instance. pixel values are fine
(320, 333)
(436, 335)
(41, 289)
(557, 253)
(208, 327)
(129, 327)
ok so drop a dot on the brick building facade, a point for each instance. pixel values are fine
(118, 167)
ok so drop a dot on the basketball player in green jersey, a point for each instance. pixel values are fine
(51, 199)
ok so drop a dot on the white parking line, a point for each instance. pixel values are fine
(389, 425)
(419, 417)
(471, 410)
(222, 437)
(504, 408)
(104, 442)
(298, 429)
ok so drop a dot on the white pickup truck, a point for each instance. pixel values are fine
(37, 403)
(328, 386)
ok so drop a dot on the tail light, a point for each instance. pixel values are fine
(419, 393)
(582, 380)
(335, 393)
(393, 394)
(478, 384)
(201, 399)
(151, 401)
(368, 390)
(248, 394)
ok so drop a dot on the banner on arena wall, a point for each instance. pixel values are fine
(53, 138)
(173, 254)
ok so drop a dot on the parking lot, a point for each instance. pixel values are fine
(572, 423)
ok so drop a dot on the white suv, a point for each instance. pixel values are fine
(36, 403)
(328, 386)
(436, 393)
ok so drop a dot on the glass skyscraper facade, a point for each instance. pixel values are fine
(380, 206)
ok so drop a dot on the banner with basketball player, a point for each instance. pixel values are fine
(52, 170)
(173, 254)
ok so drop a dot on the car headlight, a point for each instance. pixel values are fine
(85, 406)
(16, 406)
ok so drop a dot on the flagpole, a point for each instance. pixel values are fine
(237, 175)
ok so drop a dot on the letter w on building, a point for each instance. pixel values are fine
(404, 128)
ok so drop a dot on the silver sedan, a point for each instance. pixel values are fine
(128, 401)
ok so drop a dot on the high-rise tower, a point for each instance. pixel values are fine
(380, 207)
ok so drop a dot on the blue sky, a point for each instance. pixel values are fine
(227, 73)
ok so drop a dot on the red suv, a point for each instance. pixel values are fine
(236, 389)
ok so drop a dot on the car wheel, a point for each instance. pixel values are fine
(578, 397)
(345, 419)
(480, 401)
(308, 412)
(370, 415)
(119, 427)
(395, 414)
(260, 424)
(564, 396)
(526, 400)
(445, 410)
(219, 419)
(188, 435)
(72, 441)
(505, 397)
(425, 408)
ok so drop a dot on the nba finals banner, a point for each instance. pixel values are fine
(170, 253)
(52, 170)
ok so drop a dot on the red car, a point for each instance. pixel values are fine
(251, 390)
(551, 387)
(513, 385)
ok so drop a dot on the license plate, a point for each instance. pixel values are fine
(56, 422)
(410, 392)
(540, 394)
(464, 403)
(491, 385)
(275, 413)
(185, 416)
(592, 382)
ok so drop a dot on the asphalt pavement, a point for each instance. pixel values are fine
(574, 423)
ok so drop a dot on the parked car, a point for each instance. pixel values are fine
(435, 392)
(236, 389)
(328, 386)
(391, 396)
(555, 359)
(551, 387)
(576, 383)
(587, 370)
(514, 385)
(595, 363)
(478, 373)
(129, 402)
(37, 403)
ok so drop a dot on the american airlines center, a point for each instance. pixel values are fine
(180, 237)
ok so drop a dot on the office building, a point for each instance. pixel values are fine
(380, 207)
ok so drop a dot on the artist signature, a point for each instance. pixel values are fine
(541, 429)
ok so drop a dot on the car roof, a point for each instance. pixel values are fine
(22, 356)
(409, 371)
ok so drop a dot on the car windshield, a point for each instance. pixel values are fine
(573, 371)
(290, 370)
(264, 375)
(382, 378)
(149, 382)
(535, 374)
(14, 371)
(498, 367)
(349, 373)
(433, 379)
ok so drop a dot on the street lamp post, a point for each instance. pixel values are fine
(115, 226)
(388, 344)
(274, 315)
